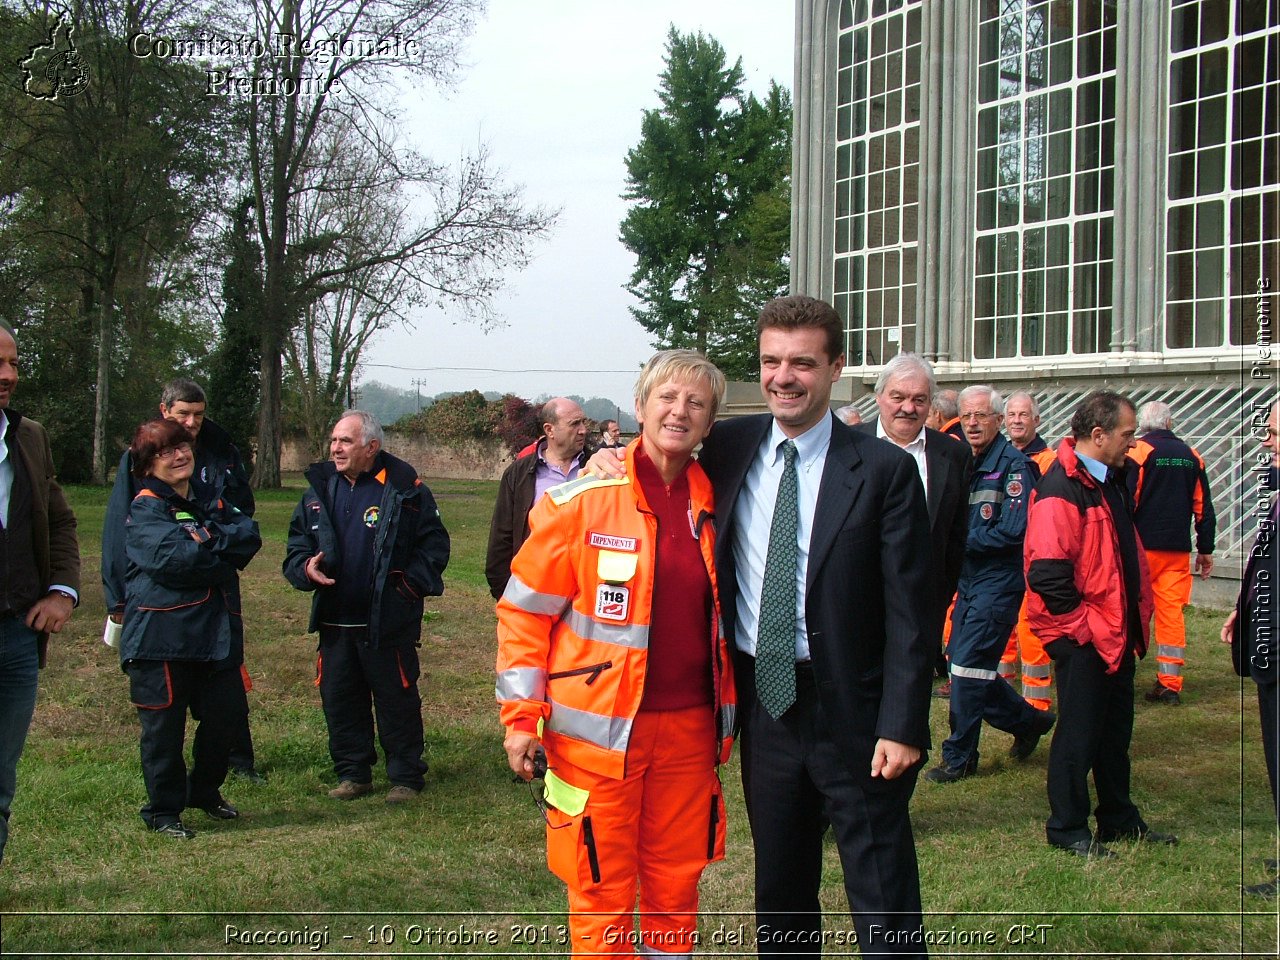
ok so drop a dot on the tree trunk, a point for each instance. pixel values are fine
(102, 391)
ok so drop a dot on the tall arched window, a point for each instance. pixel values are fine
(1223, 185)
(877, 176)
(1045, 178)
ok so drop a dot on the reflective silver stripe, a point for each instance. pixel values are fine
(1007, 670)
(986, 496)
(1034, 693)
(564, 492)
(1169, 669)
(728, 717)
(634, 635)
(645, 950)
(611, 733)
(1040, 671)
(972, 673)
(1173, 653)
(521, 683)
(520, 594)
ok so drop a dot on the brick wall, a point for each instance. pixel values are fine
(473, 460)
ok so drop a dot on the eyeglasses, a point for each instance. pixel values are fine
(168, 453)
(537, 790)
(976, 417)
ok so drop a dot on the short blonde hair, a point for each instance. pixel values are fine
(681, 366)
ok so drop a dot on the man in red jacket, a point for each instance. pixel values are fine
(1090, 602)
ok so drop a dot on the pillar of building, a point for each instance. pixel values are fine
(944, 294)
(1139, 184)
(813, 149)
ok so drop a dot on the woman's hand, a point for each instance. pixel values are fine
(520, 749)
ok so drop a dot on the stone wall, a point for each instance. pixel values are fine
(473, 460)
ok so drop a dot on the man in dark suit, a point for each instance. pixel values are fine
(39, 570)
(904, 395)
(1253, 629)
(844, 741)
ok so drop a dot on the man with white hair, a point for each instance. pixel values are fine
(989, 595)
(905, 391)
(1022, 424)
(1170, 491)
(366, 540)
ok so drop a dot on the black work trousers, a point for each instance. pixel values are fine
(354, 675)
(1095, 726)
(797, 782)
(163, 691)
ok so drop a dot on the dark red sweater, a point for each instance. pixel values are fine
(679, 669)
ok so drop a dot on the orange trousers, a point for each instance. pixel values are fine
(1036, 674)
(1171, 589)
(656, 829)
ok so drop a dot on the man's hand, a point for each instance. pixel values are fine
(1229, 627)
(892, 759)
(315, 574)
(1204, 565)
(50, 612)
(520, 749)
(609, 463)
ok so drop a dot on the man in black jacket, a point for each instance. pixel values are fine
(219, 475)
(1253, 629)
(367, 540)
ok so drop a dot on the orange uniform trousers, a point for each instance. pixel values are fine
(657, 828)
(1036, 673)
(1171, 588)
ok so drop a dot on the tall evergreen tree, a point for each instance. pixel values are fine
(710, 186)
(234, 375)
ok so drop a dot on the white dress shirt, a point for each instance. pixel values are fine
(753, 518)
(915, 448)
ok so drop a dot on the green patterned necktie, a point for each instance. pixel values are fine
(776, 637)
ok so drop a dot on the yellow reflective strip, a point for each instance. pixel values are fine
(565, 797)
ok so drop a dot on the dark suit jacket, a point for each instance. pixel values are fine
(871, 640)
(53, 525)
(949, 462)
(1255, 639)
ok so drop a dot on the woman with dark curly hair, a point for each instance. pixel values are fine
(182, 642)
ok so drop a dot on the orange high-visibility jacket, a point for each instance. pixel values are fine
(573, 623)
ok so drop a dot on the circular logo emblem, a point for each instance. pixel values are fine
(986, 511)
(1014, 488)
(371, 517)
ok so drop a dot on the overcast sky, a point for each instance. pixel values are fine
(555, 89)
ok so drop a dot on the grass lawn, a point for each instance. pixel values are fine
(462, 870)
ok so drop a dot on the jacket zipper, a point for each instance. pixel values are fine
(594, 670)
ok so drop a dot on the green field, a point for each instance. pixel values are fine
(461, 870)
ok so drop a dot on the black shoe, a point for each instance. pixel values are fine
(1089, 849)
(1025, 744)
(1268, 889)
(220, 810)
(249, 774)
(944, 774)
(1162, 694)
(174, 829)
(1144, 836)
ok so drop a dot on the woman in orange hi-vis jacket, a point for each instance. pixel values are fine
(611, 656)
